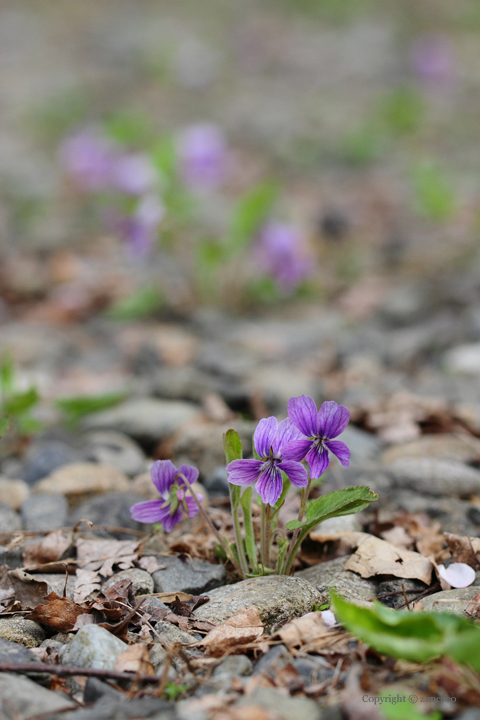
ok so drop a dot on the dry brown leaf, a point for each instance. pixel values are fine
(304, 630)
(378, 557)
(150, 564)
(462, 550)
(102, 555)
(473, 606)
(28, 591)
(86, 583)
(348, 538)
(169, 597)
(242, 628)
(135, 658)
(48, 550)
(83, 620)
(57, 613)
(398, 536)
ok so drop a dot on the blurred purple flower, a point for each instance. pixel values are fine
(319, 429)
(282, 255)
(432, 59)
(203, 156)
(269, 439)
(138, 230)
(133, 174)
(174, 502)
(89, 158)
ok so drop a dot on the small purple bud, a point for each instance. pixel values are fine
(88, 158)
(432, 59)
(133, 174)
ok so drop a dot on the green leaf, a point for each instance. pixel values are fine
(250, 544)
(419, 636)
(7, 374)
(76, 407)
(232, 446)
(434, 196)
(235, 496)
(172, 691)
(19, 403)
(403, 710)
(250, 212)
(4, 425)
(140, 304)
(335, 504)
(403, 110)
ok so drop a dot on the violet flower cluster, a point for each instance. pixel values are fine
(307, 434)
(175, 501)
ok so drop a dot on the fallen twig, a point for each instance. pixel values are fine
(67, 671)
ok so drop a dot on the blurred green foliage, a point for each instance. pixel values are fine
(14, 403)
(434, 196)
(75, 408)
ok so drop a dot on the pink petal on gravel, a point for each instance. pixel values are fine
(458, 575)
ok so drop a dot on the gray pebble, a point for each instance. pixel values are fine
(191, 576)
(9, 520)
(93, 647)
(44, 511)
(142, 581)
(22, 631)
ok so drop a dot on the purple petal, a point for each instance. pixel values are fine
(338, 448)
(265, 435)
(287, 432)
(458, 575)
(270, 485)
(244, 472)
(192, 506)
(190, 472)
(318, 462)
(295, 472)
(296, 450)
(302, 412)
(149, 511)
(163, 475)
(332, 420)
(169, 521)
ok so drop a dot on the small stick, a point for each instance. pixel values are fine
(405, 596)
(422, 594)
(67, 671)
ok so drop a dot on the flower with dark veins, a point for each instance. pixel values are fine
(318, 430)
(269, 440)
(174, 500)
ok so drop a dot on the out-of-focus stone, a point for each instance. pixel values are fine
(9, 520)
(44, 511)
(452, 601)
(192, 576)
(82, 481)
(114, 448)
(25, 698)
(448, 447)
(112, 510)
(13, 492)
(463, 359)
(142, 581)
(92, 647)
(46, 457)
(145, 419)
(434, 476)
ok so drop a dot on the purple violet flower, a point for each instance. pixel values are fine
(319, 429)
(269, 439)
(89, 158)
(281, 254)
(133, 174)
(203, 156)
(174, 501)
(432, 59)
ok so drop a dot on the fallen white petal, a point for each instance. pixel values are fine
(458, 575)
(328, 617)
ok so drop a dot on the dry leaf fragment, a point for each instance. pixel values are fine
(136, 659)
(58, 613)
(378, 557)
(150, 564)
(169, 597)
(473, 606)
(102, 555)
(86, 583)
(28, 591)
(304, 630)
(462, 550)
(50, 549)
(242, 628)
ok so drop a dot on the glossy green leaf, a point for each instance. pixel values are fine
(419, 636)
(335, 504)
(232, 446)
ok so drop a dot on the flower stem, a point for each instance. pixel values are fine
(265, 533)
(294, 545)
(212, 527)
(238, 536)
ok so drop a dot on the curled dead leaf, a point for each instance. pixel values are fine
(50, 549)
(28, 591)
(136, 659)
(57, 613)
(242, 628)
(305, 630)
(378, 557)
